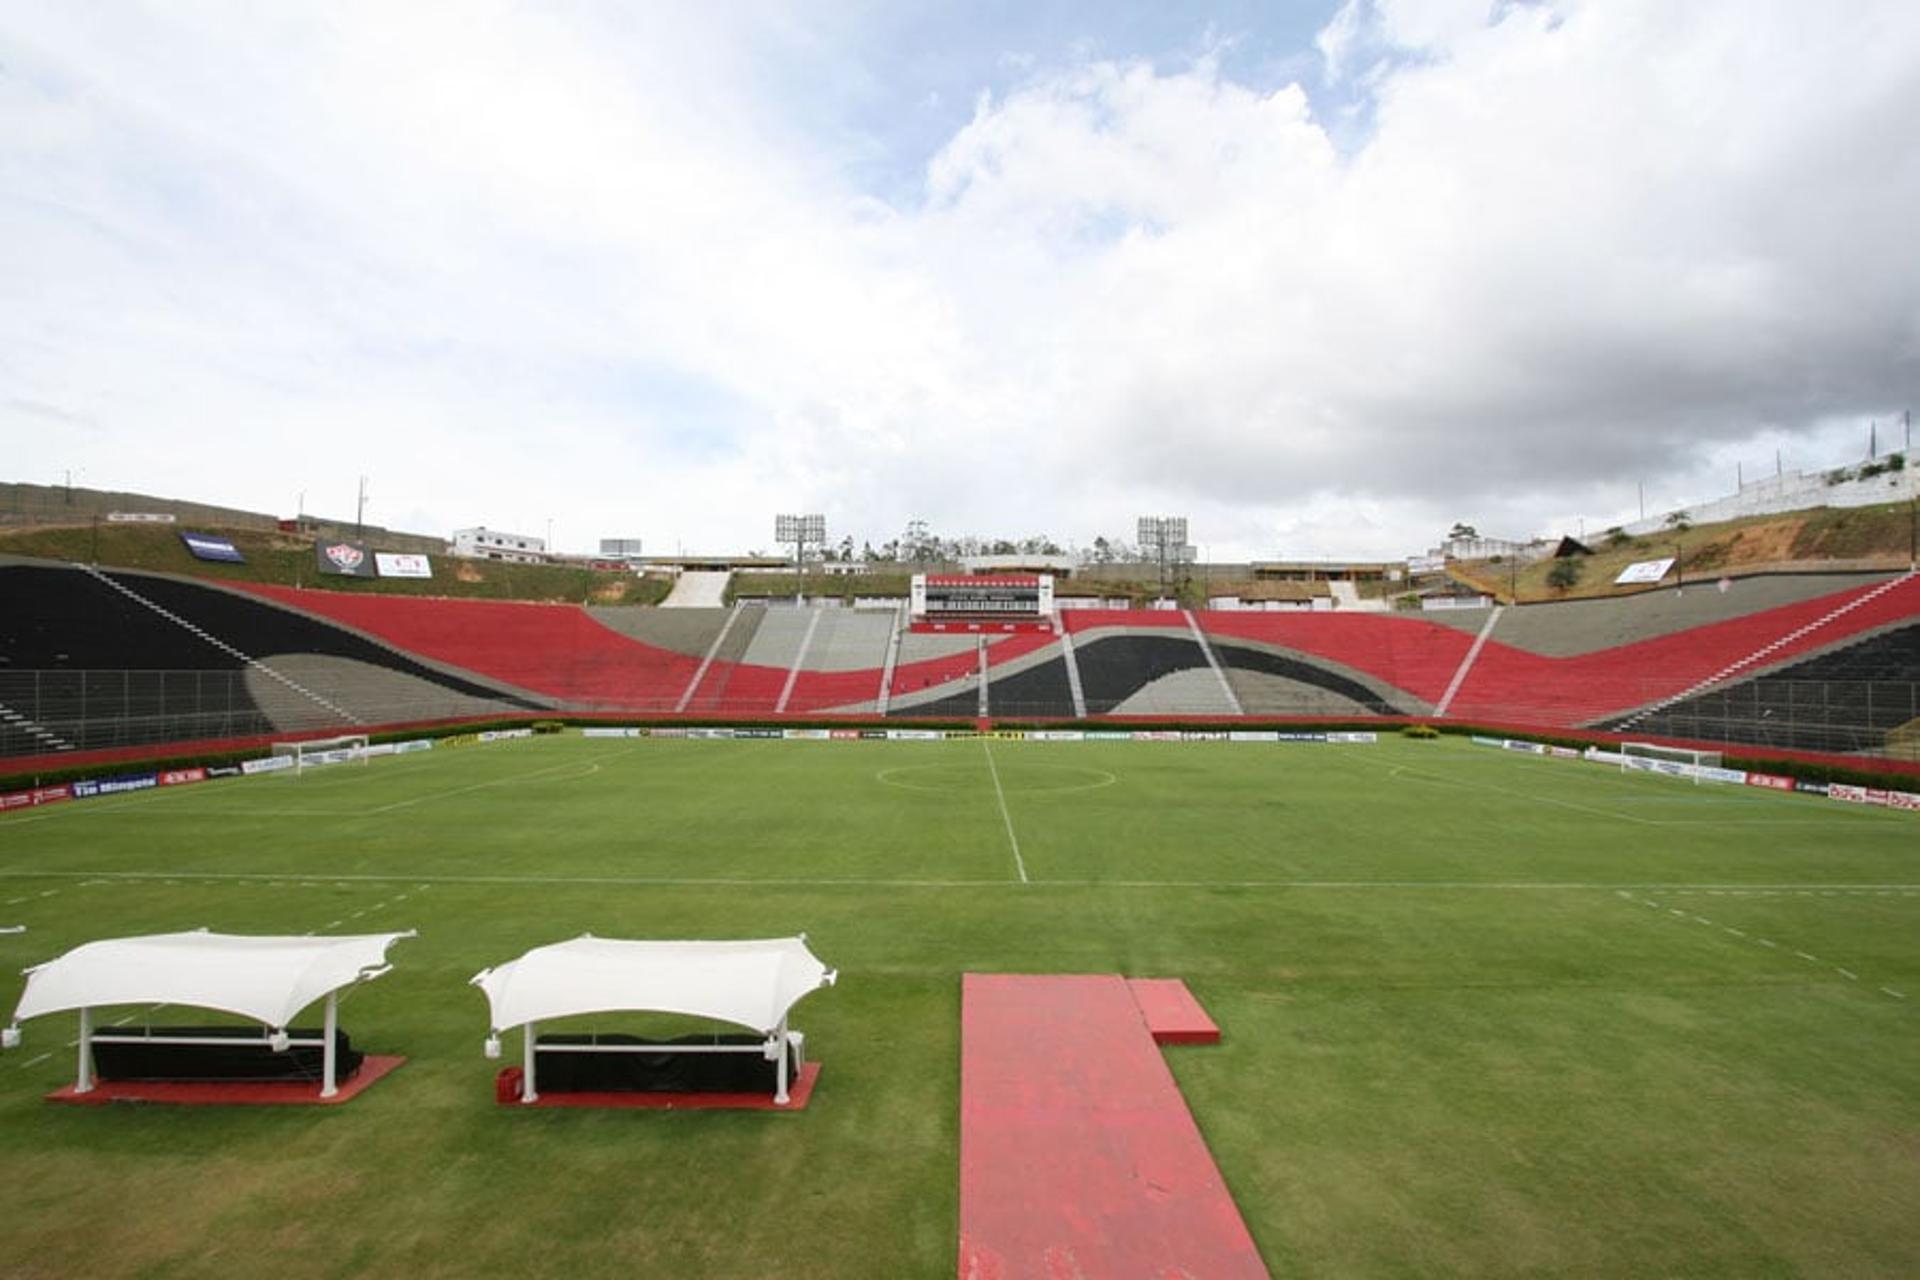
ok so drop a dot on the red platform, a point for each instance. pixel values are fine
(1078, 1156)
(236, 1093)
(1173, 1016)
(799, 1093)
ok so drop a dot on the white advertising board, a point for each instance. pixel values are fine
(1644, 571)
(393, 565)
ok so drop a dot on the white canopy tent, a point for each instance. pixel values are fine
(750, 983)
(268, 979)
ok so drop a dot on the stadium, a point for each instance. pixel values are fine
(1023, 642)
(1502, 922)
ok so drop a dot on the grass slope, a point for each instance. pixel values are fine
(1483, 1014)
(288, 559)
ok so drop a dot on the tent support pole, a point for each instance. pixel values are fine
(83, 1076)
(328, 1066)
(528, 1093)
(780, 1071)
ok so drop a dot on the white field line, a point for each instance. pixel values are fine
(1019, 863)
(421, 883)
(1771, 945)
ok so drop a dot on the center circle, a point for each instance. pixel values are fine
(1016, 778)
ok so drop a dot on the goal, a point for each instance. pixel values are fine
(1681, 762)
(313, 752)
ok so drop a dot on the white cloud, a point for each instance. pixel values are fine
(519, 266)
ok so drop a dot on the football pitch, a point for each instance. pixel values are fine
(1482, 1013)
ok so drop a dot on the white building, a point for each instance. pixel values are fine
(482, 543)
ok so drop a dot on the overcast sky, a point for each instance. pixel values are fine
(1323, 277)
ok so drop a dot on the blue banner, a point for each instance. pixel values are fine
(205, 546)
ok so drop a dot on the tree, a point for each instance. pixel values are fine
(1617, 537)
(1564, 573)
(1679, 522)
(1461, 530)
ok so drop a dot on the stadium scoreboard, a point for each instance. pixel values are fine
(938, 598)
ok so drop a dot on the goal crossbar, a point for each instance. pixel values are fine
(312, 752)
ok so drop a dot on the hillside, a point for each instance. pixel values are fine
(288, 560)
(1853, 538)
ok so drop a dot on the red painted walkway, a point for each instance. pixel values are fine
(1173, 1016)
(1078, 1156)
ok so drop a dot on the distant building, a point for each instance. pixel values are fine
(482, 543)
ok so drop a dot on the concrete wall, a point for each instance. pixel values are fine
(1795, 491)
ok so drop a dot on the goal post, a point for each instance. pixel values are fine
(1656, 753)
(313, 752)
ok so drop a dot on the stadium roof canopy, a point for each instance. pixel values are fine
(750, 983)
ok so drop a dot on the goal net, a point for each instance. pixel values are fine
(1683, 762)
(313, 752)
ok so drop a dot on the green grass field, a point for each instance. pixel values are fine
(1483, 1014)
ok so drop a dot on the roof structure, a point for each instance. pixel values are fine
(750, 983)
(270, 979)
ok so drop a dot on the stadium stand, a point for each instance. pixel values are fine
(1848, 699)
(558, 651)
(112, 660)
(92, 660)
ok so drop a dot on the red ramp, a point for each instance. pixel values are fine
(1078, 1156)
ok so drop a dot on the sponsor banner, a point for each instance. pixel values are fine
(175, 777)
(1058, 735)
(379, 749)
(390, 565)
(879, 734)
(1009, 735)
(1353, 737)
(1597, 756)
(1772, 781)
(914, 735)
(1156, 735)
(1300, 737)
(416, 744)
(139, 517)
(1644, 571)
(1563, 753)
(1108, 735)
(1253, 735)
(609, 733)
(669, 733)
(35, 796)
(89, 787)
(712, 735)
(1479, 741)
(1530, 748)
(266, 764)
(223, 771)
(501, 735)
(846, 735)
(315, 758)
(343, 559)
(1844, 791)
(756, 733)
(1876, 795)
(1713, 773)
(1426, 564)
(1810, 788)
(806, 735)
(1903, 800)
(1204, 735)
(205, 546)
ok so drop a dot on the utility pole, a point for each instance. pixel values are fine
(360, 510)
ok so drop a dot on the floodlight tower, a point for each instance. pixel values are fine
(1164, 538)
(800, 530)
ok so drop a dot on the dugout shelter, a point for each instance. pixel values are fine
(267, 979)
(751, 983)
